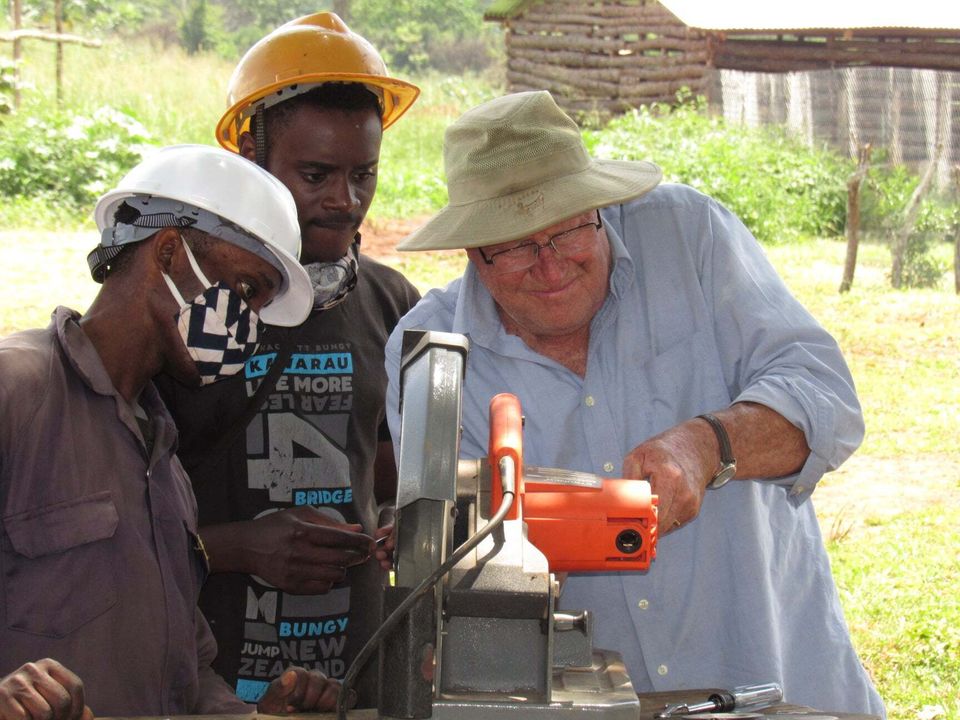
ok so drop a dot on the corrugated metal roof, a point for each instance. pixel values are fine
(816, 14)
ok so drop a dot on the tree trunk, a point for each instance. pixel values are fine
(58, 19)
(910, 213)
(342, 8)
(912, 208)
(853, 216)
(956, 233)
(17, 22)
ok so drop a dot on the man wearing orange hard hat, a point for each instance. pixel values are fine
(283, 459)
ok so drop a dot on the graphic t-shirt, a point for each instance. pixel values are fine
(312, 442)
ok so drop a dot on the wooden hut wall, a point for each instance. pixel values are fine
(604, 57)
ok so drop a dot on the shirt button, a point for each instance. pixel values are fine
(798, 490)
(608, 467)
(663, 670)
(589, 401)
(643, 604)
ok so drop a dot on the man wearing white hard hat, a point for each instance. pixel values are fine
(101, 563)
(647, 336)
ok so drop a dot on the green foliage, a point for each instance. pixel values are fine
(411, 181)
(194, 32)
(8, 85)
(800, 191)
(885, 196)
(412, 35)
(920, 268)
(416, 35)
(68, 159)
(99, 15)
(178, 97)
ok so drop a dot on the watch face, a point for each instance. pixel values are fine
(721, 478)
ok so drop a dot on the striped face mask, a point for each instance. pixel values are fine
(218, 328)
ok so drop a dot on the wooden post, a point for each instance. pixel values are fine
(18, 34)
(342, 8)
(853, 216)
(58, 19)
(956, 233)
(17, 20)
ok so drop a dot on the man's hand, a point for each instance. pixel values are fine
(386, 544)
(42, 690)
(679, 463)
(300, 550)
(300, 690)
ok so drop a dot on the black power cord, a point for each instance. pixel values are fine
(507, 475)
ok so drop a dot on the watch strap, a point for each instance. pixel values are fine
(728, 464)
(726, 451)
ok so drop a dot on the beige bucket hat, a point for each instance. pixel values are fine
(516, 165)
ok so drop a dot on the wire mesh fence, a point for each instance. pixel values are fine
(909, 116)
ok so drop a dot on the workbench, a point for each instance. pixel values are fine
(650, 705)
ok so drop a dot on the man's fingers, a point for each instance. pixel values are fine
(276, 698)
(328, 698)
(34, 704)
(325, 536)
(11, 709)
(54, 699)
(71, 684)
(313, 689)
(42, 690)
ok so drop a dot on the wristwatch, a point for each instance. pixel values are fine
(728, 466)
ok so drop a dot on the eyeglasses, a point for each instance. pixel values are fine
(564, 244)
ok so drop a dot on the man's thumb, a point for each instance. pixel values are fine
(288, 681)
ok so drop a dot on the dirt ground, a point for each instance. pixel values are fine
(869, 488)
(864, 489)
(380, 238)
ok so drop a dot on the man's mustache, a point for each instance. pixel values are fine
(336, 222)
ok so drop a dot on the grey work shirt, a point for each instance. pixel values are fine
(99, 566)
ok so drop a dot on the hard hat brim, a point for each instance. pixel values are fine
(398, 97)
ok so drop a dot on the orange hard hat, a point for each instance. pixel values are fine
(299, 55)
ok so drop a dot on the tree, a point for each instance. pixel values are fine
(413, 35)
(193, 29)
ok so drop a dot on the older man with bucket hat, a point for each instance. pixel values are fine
(647, 336)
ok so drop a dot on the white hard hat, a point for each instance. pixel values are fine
(221, 193)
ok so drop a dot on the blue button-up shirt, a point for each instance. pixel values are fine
(696, 319)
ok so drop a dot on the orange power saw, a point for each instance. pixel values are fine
(581, 522)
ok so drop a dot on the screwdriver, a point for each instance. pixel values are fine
(740, 698)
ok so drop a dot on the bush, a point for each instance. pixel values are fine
(885, 196)
(780, 188)
(68, 159)
(418, 35)
(8, 85)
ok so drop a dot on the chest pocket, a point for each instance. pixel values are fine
(58, 565)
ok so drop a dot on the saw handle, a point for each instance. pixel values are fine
(506, 441)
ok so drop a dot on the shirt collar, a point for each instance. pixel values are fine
(623, 274)
(85, 360)
(80, 352)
